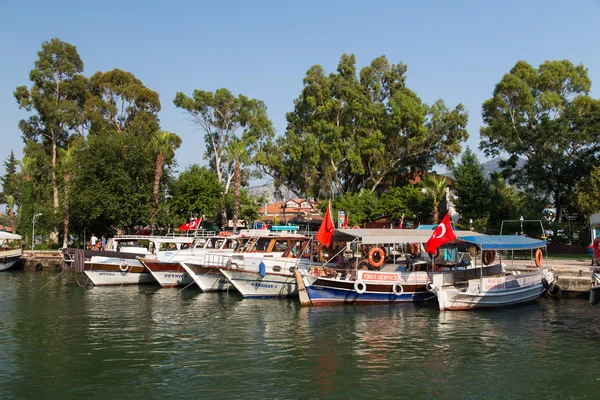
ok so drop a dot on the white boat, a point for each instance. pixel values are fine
(254, 245)
(261, 277)
(119, 265)
(167, 269)
(102, 271)
(10, 257)
(489, 286)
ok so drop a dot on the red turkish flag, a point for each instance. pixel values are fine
(326, 230)
(192, 225)
(442, 234)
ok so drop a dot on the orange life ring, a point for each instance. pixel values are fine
(376, 257)
(596, 247)
(488, 257)
(224, 233)
(414, 249)
(539, 257)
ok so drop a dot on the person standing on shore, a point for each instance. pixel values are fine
(103, 243)
(93, 241)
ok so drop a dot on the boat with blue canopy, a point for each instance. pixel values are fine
(484, 283)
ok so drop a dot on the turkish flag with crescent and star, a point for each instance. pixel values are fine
(192, 225)
(442, 234)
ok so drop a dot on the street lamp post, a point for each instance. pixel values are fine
(470, 224)
(33, 231)
(521, 219)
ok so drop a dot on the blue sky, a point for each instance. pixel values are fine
(454, 50)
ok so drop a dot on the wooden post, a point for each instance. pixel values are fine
(304, 299)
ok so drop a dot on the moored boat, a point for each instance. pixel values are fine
(256, 245)
(378, 266)
(120, 266)
(167, 269)
(10, 257)
(485, 286)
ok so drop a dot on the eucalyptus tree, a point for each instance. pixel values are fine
(164, 145)
(116, 169)
(56, 99)
(224, 119)
(238, 154)
(546, 117)
(352, 131)
(436, 187)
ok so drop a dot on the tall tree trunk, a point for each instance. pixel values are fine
(66, 211)
(237, 182)
(11, 218)
(55, 203)
(157, 175)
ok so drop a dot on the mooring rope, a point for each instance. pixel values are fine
(51, 280)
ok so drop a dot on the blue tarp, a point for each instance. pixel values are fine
(504, 242)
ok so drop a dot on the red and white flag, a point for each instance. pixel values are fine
(192, 225)
(345, 223)
(326, 230)
(442, 234)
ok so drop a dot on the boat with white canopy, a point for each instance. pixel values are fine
(10, 256)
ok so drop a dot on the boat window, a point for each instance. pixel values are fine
(281, 245)
(262, 244)
(276, 268)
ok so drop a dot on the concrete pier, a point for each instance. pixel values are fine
(570, 275)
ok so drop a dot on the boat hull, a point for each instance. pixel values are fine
(492, 292)
(127, 272)
(10, 261)
(251, 285)
(209, 279)
(380, 290)
(168, 274)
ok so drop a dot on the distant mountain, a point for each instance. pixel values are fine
(268, 191)
(494, 165)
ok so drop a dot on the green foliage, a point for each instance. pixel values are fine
(359, 207)
(547, 118)
(407, 201)
(349, 133)
(112, 183)
(471, 188)
(195, 192)
(226, 119)
(588, 193)
(435, 186)
(10, 180)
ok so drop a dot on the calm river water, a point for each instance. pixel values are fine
(61, 341)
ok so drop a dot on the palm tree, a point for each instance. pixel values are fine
(435, 186)
(164, 145)
(237, 152)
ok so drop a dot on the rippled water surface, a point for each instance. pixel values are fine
(60, 340)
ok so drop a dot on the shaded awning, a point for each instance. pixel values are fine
(6, 235)
(384, 236)
(504, 242)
